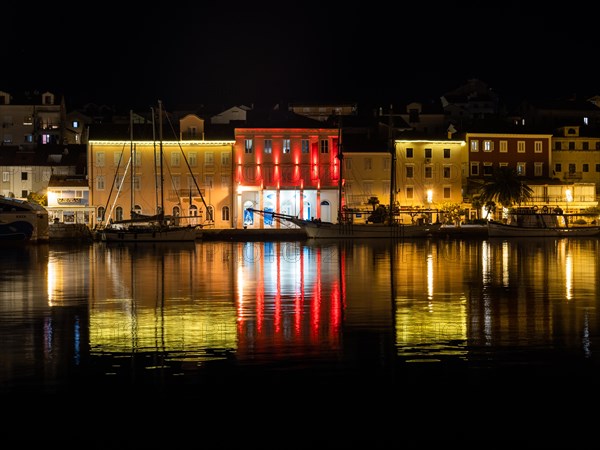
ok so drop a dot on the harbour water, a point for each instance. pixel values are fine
(301, 344)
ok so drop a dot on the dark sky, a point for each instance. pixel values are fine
(190, 53)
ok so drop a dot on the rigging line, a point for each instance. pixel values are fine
(112, 186)
(208, 211)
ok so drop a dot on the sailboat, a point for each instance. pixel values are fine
(149, 228)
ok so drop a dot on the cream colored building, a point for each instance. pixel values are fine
(125, 175)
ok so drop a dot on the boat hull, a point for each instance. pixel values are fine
(22, 221)
(328, 230)
(175, 234)
(496, 229)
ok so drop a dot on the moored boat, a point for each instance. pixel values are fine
(528, 222)
(24, 221)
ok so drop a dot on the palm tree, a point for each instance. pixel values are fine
(506, 188)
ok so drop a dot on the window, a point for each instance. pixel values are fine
(249, 174)
(446, 153)
(209, 159)
(447, 171)
(410, 172)
(447, 192)
(248, 146)
(410, 192)
(176, 182)
(324, 144)
(597, 145)
(225, 213)
(521, 169)
(225, 158)
(193, 159)
(557, 145)
(409, 152)
(488, 146)
(305, 146)
(488, 169)
(474, 169)
(100, 214)
(428, 172)
(367, 188)
(558, 167)
(24, 176)
(368, 162)
(100, 159)
(208, 181)
(117, 158)
(586, 145)
(572, 168)
(100, 183)
(521, 146)
(586, 167)
(474, 146)
(175, 159)
(24, 193)
(597, 167)
(538, 169)
(503, 146)
(210, 213)
(268, 146)
(537, 147)
(136, 183)
(428, 153)
(571, 145)
(5, 176)
(287, 146)
(386, 164)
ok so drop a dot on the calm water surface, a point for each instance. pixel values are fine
(301, 344)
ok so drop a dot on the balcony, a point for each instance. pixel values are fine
(572, 175)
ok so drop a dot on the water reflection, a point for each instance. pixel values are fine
(261, 322)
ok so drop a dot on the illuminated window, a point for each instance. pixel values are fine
(521, 146)
(248, 146)
(503, 146)
(521, 168)
(5, 176)
(268, 146)
(100, 183)
(209, 159)
(193, 159)
(488, 146)
(537, 146)
(225, 213)
(100, 159)
(287, 146)
(305, 145)
(474, 146)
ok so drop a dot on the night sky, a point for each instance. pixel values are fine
(132, 55)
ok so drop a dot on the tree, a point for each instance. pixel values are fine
(506, 188)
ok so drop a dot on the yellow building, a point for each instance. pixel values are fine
(125, 175)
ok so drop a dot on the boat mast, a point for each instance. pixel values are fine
(340, 158)
(392, 148)
(131, 159)
(160, 153)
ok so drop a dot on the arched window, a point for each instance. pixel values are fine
(119, 213)
(100, 214)
(210, 213)
(225, 213)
